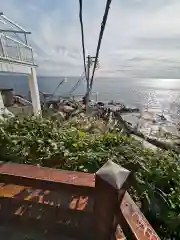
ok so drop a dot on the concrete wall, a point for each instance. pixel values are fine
(19, 111)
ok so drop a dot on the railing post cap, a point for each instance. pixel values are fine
(114, 174)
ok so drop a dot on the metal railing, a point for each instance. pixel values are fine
(14, 50)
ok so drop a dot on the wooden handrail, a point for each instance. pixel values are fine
(113, 206)
(60, 201)
(45, 178)
(135, 224)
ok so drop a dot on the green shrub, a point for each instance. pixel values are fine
(67, 145)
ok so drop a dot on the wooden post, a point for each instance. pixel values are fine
(33, 85)
(110, 187)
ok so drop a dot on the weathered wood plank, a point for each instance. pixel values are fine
(45, 178)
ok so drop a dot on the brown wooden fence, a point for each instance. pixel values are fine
(78, 205)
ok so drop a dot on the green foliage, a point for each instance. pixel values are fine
(68, 145)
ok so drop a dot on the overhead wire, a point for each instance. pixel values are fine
(57, 87)
(82, 36)
(60, 83)
(103, 24)
(76, 84)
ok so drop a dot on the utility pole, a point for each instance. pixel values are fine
(88, 78)
(90, 61)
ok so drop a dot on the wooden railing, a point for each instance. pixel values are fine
(80, 205)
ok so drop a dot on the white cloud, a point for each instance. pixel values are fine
(141, 39)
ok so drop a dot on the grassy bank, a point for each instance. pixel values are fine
(85, 145)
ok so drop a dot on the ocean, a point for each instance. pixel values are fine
(158, 95)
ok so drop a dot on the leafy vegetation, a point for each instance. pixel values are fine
(85, 145)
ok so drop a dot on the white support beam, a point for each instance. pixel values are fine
(33, 85)
(14, 67)
(13, 24)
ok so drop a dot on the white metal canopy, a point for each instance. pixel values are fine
(16, 55)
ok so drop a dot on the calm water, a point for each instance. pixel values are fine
(156, 94)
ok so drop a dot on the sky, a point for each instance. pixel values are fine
(141, 39)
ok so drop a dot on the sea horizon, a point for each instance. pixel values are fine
(156, 94)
